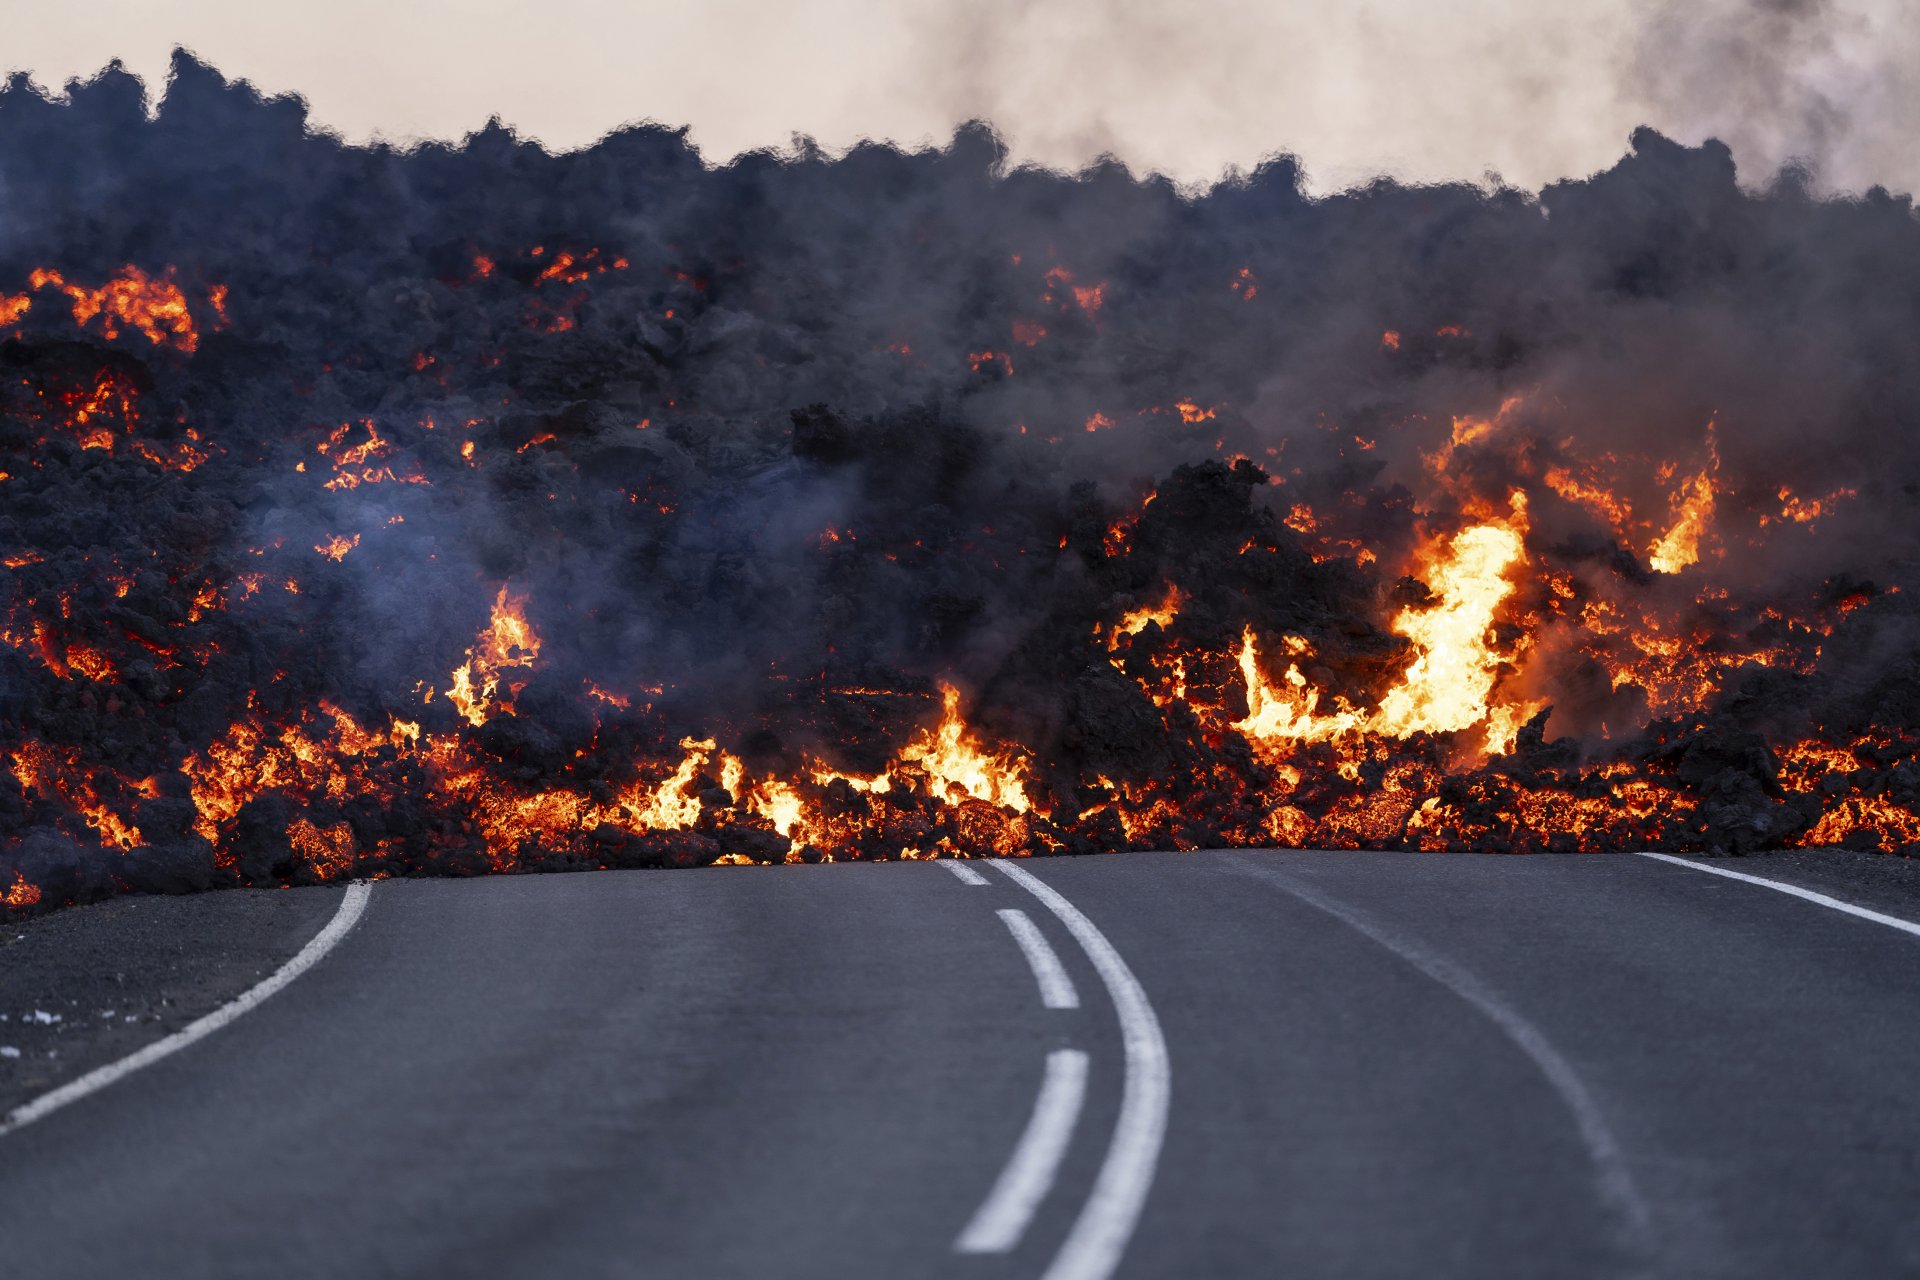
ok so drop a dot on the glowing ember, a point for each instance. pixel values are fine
(337, 547)
(20, 895)
(155, 308)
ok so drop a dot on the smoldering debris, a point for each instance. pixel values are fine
(467, 509)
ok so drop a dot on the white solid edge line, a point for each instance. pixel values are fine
(1614, 1179)
(1029, 1174)
(348, 914)
(1892, 922)
(966, 873)
(1100, 1235)
(1056, 988)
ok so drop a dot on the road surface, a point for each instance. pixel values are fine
(1325, 1065)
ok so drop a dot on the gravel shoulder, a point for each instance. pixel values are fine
(83, 987)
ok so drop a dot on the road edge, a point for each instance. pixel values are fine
(353, 905)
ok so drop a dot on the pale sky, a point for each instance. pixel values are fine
(1421, 89)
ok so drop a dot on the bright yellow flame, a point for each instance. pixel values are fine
(509, 641)
(1449, 685)
(671, 806)
(951, 756)
(1680, 546)
(779, 804)
(1290, 713)
(1134, 621)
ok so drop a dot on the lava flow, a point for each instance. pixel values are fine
(473, 509)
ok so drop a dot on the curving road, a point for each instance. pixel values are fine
(1189, 1065)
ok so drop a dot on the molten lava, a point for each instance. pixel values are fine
(156, 308)
(516, 512)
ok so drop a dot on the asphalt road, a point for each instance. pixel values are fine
(1375, 1065)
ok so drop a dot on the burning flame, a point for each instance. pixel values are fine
(1449, 684)
(508, 643)
(1134, 621)
(672, 805)
(1290, 712)
(951, 755)
(1680, 545)
(1447, 687)
(1807, 511)
(1591, 495)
